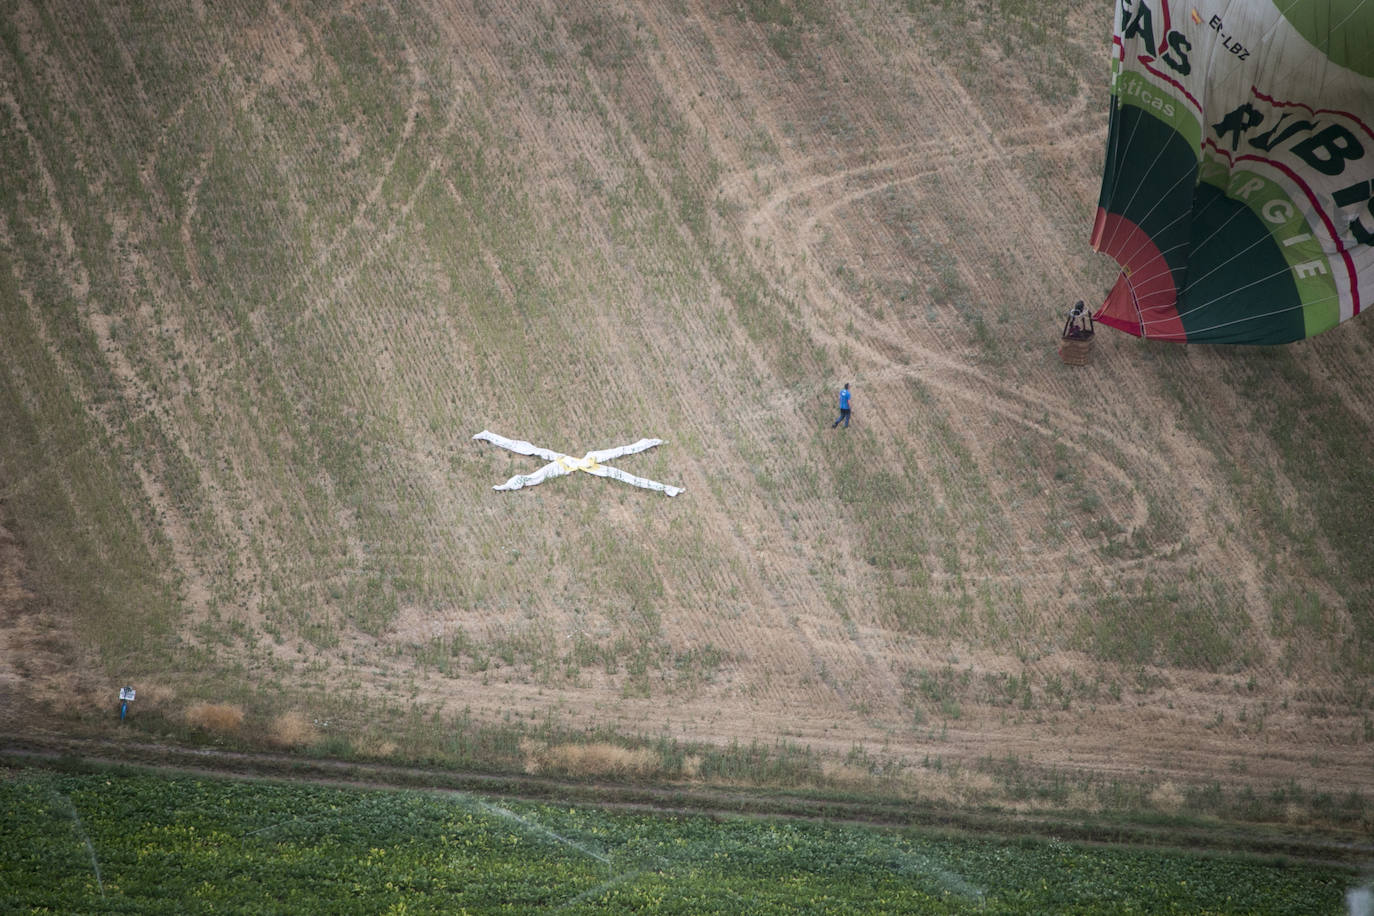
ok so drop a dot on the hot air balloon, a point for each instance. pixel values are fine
(1238, 189)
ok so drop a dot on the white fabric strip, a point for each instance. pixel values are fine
(561, 465)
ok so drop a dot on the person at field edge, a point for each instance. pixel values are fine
(844, 408)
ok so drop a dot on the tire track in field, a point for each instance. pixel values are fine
(840, 179)
(334, 308)
(175, 524)
(324, 292)
(737, 186)
(189, 215)
(782, 656)
(1042, 412)
(803, 180)
(171, 521)
(232, 522)
(374, 194)
(859, 646)
(310, 278)
(821, 171)
(1019, 404)
(809, 651)
(378, 240)
(57, 232)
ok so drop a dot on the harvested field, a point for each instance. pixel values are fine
(265, 271)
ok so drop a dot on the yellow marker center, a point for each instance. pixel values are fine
(569, 463)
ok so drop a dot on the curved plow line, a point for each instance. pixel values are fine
(417, 79)
(1045, 404)
(1016, 404)
(907, 153)
(894, 155)
(347, 274)
(919, 152)
(316, 308)
(1008, 405)
(332, 247)
(1005, 407)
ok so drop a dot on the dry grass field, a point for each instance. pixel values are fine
(266, 268)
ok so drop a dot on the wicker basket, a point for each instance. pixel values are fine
(1076, 351)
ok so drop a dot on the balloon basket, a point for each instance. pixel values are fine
(1076, 351)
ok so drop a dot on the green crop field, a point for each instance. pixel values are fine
(265, 270)
(109, 843)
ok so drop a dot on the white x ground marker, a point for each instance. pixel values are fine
(560, 465)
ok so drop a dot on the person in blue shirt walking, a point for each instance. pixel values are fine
(844, 408)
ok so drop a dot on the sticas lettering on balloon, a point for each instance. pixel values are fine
(1159, 102)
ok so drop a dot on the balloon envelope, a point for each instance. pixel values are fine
(1238, 189)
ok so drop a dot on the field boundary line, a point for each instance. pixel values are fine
(1347, 850)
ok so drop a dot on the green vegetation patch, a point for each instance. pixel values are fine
(121, 843)
(1174, 625)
